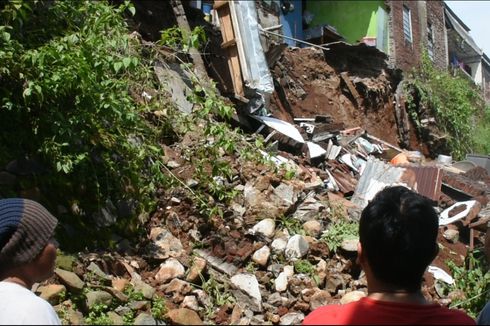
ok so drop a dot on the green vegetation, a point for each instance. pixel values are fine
(158, 307)
(481, 135)
(339, 231)
(473, 280)
(453, 101)
(98, 315)
(70, 97)
(291, 224)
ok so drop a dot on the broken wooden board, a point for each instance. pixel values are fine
(230, 44)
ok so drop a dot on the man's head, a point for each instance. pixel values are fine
(26, 237)
(398, 236)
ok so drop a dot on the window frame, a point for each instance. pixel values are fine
(407, 23)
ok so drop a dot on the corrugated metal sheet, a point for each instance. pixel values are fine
(429, 180)
(376, 176)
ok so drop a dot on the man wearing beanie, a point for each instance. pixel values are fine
(27, 256)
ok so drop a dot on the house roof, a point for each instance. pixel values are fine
(457, 25)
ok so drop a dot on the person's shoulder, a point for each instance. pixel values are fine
(323, 315)
(455, 317)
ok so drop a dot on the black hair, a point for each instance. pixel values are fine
(398, 234)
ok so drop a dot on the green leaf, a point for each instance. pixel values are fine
(132, 10)
(126, 62)
(117, 66)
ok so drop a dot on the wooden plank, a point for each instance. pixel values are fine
(239, 44)
(219, 3)
(352, 88)
(234, 64)
(229, 42)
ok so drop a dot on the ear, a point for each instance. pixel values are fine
(360, 257)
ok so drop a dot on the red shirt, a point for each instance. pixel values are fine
(370, 311)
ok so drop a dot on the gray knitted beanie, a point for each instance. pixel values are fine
(25, 229)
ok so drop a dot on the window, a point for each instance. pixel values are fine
(430, 41)
(407, 24)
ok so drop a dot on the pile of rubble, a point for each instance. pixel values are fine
(267, 260)
(336, 125)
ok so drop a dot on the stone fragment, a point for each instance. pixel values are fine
(249, 285)
(94, 268)
(197, 269)
(281, 282)
(115, 318)
(236, 314)
(261, 256)
(266, 227)
(164, 244)
(178, 286)
(320, 298)
(202, 297)
(170, 269)
(279, 245)
(217, 263)
(292, 318)
(184, 316)
(119, 283)
(286, 193)
(70, 279)
(190, 302)
(98, 297)
(52, 292)
(144, 319)
(451, 235)
(139, 305)
(276, 300)
(297, 247)
(116, 294)
(312, 228)
(350, 245)
(147, 290)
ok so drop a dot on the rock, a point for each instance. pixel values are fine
(279, 245)
(65, 262)
(178, 286)
(297, 247)
(352, 296)
(320, 298)
(308, 209)
(289, 270)
(116, 294)
(334, 281)
(451, 235)
(70, 279)
(236, 314)
(202, 297)
(261, 256)
(248, 284)
(197, 269)
(115, 318)
(172, 268)
(350, 245)
(275, 268)
(292, 318)
(190, 302)
(52, 292)
(70, 316)
(173, 164)
(94, 268)
(191, 183)
(119, 283)
(164, 244)
(98, 297)
(183, 316)
(217, 263)
(313, 228)
(147, 290)
(286, 193)
(139, 305)
(106, 216)
(266, 227)
(276, 300)
(281, 282)
(144, 319)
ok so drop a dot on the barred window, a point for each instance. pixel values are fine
(430, 41)
(407, 24)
